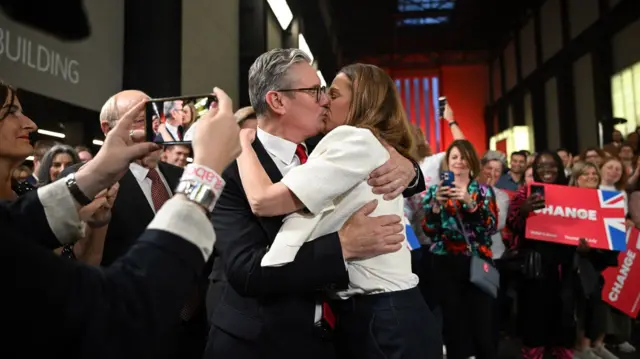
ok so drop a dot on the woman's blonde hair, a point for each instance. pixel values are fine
(579, 168)
(376, 106)
(621, 185)
(422, 147)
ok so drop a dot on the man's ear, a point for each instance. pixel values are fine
(104, 126)
(275, 102)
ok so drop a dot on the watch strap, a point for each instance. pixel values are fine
(75, 191)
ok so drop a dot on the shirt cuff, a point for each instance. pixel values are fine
(187, 220)
(61, 212)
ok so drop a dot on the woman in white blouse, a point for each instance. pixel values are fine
(382, 313)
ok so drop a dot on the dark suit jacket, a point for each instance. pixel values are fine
(268, 308)
(60, 308)
(131, 213)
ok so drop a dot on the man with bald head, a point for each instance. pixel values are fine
(143, 190)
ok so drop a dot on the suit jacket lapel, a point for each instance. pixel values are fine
(134, 201)
(271, 225)
(171, 173)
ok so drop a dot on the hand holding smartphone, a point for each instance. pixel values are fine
(536, 199)
(446, 183)
(442, 104)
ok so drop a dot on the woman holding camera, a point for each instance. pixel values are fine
(461, 216)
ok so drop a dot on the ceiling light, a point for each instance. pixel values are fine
(51, 133)
(282, 12)
(302, 45)
(98, 142)
(322, 81)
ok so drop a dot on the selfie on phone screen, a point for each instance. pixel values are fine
(173, 120)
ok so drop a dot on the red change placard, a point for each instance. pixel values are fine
(572, 213)
(622, 283)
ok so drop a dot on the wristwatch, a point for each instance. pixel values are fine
(198, 193)
(75, 191)
(416, 179)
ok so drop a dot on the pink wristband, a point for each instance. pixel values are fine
(204, 175)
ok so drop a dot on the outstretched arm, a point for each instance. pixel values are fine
(266, 198)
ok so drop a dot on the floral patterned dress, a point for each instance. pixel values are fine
(479, 224)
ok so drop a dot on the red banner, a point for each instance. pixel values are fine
(572, 213)
(622, 283)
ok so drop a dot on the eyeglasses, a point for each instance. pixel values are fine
(316, 91)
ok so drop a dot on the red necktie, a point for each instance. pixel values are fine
(159, 193)
(301, 152)
(327, 313)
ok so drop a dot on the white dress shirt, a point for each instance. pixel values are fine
(178, 216)
(140, 173)
(173, 130)
(333, 185)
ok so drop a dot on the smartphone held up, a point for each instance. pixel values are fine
(173, 120)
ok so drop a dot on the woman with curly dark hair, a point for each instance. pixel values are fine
(545, 314)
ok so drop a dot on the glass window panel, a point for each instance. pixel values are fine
(636, 99)
(617, 98)
(629, 97)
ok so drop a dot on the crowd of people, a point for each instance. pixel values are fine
(279, 232)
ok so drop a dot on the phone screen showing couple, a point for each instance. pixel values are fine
(172, 120)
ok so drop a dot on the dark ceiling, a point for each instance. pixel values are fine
(370, 28)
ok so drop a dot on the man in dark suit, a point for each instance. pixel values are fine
(62, 308)
(278, 312)
(143, 190)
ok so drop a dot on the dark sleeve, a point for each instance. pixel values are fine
(242, 241)
(419, 187)
(27, 213)
(602, 259)
(119, 312)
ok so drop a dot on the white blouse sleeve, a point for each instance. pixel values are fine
(343, 158)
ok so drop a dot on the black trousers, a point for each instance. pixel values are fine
(544, 317)
(467, 312)
(395, 325)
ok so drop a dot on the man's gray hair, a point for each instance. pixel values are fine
(169, 106)
(269, 72)
(109, 112)
(494, 156)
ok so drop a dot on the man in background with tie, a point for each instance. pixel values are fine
(146, 186)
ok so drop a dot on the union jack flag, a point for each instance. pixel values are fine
(615, 228)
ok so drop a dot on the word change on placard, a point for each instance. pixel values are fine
(622, 283)
(572, 213)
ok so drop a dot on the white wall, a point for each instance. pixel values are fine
(210, 46)
(274, 32)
